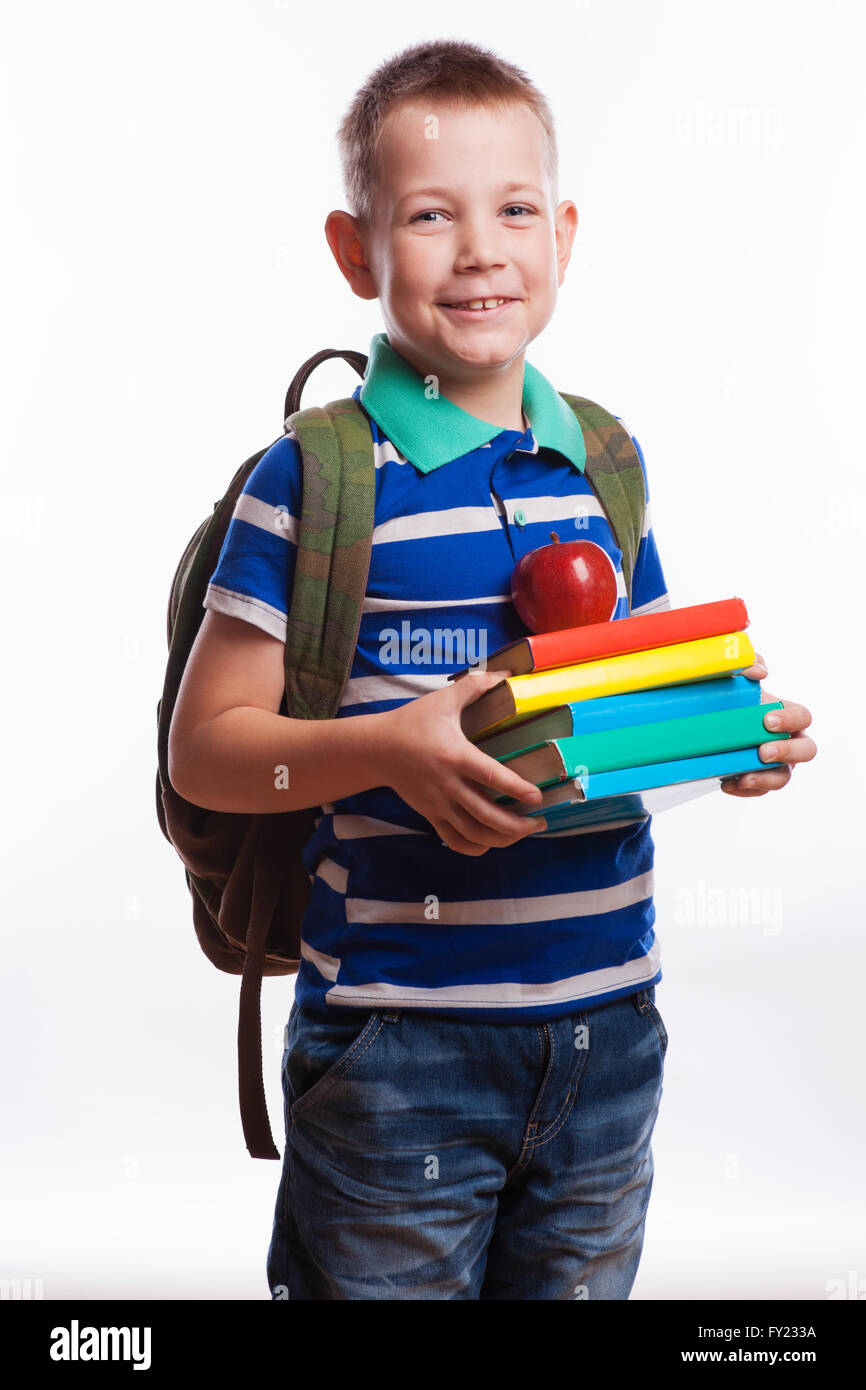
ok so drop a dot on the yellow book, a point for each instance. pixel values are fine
(515, 697)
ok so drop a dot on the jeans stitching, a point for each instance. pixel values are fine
(567, 1105)
(339, 1069)
(526, 1139)
(531, 1124)
(660, 1027)
(545, 1078)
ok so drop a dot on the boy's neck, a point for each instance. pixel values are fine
(496, 399)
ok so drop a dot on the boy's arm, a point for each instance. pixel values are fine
(229, 749)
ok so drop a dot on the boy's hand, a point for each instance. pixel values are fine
(793, 719)
(434, 767)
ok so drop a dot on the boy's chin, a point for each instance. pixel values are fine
(483, 349)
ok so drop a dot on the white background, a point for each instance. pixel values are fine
(166, 272)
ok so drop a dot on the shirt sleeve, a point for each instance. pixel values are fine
(649, 592)
(256, 568)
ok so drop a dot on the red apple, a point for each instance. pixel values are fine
(565, 584)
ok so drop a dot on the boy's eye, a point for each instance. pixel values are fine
(433, 212)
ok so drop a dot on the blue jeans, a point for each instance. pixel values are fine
(431, 1157)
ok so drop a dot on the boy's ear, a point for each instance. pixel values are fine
(565, 223)
(341, 230)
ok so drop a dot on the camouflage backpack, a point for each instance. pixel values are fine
(248, 884)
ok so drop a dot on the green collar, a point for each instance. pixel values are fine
(431, 430)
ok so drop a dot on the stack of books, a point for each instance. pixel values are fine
(618, 720)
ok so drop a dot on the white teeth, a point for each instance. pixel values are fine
(478, 304)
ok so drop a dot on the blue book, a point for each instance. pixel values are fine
(696, 775)
(623, 711)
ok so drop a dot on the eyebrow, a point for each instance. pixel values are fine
(447, 192)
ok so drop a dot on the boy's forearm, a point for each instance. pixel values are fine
(254, 762)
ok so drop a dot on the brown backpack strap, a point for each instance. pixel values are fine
(358, 360)
(267, 884)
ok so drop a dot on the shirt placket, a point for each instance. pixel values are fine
(512, 517)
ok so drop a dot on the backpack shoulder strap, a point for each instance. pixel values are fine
(335, 535)
(333, 559)
(614, 471)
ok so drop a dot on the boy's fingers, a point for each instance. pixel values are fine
(756, 672)
(789, 750)
(756, 783)
(496, 777)
(505, 819)
(474, 683)
(481, 830)
(792, 718)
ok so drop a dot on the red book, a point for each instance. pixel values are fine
(542, 651)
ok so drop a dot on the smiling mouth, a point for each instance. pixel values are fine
(485, 306)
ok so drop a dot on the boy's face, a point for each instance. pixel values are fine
(463, 211)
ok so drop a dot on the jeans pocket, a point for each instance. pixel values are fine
(644, 1002)
(318, 1053)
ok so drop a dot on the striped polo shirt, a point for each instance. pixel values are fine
(557, 922)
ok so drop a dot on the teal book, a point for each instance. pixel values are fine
(638, 745)
(619, 711)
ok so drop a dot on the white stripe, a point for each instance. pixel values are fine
(571, 509)
(513, 995)
(252, 610)
(404, 685)
(394, 605)
(449, 521)
(333, 874)
(545, 907)
(656, 605)
(385, 452)
(329, 966)
(276, 520)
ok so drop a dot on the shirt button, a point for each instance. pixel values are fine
(520, 516)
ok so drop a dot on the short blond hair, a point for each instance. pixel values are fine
(449, 71)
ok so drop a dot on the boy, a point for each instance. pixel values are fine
(474, 1057)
